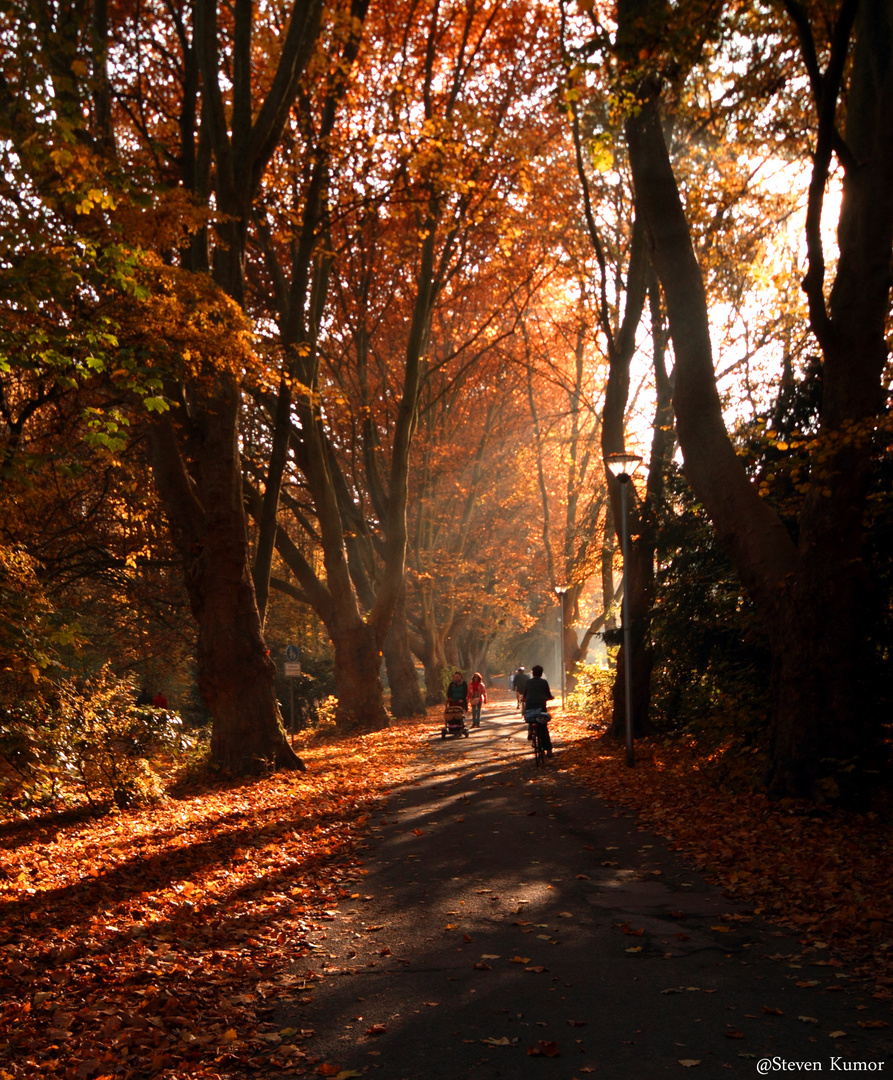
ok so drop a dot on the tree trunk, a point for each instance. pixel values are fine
(406, 694)
(640, 583)
(434, 660)
(824, 732)
(358, 677)
(235, 674)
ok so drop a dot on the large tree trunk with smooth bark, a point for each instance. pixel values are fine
(358, 676)
(406, 694)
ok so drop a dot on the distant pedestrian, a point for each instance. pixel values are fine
(159, 701)
(477, 695)
(519, 685)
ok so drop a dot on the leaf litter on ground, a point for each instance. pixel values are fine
(158, 942)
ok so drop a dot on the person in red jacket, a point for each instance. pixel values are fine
(477, 695)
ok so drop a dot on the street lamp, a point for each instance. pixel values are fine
(560, 590)
(622, 466)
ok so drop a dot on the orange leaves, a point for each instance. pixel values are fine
(166, 934)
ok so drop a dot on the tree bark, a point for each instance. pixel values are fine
(235, 673)
(406, 694)
(812, 596)
(357, 676)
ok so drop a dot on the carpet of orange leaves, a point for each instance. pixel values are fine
(158, 942)
(823, 872)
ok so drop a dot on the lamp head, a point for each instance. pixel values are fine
(622, 465)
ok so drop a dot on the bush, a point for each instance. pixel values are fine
(711, 653)
(592, 693)
(89, 737)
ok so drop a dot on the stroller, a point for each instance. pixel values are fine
(454, 722)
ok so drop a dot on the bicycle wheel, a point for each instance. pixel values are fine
(539, 751)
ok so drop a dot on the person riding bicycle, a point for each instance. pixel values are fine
(519, 684)
(536, 693)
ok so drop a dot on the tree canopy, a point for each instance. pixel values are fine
(318, 320)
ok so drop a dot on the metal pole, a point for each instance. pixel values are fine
(561, 646)
(627, 629)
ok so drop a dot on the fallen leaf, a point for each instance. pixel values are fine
(634, 948)
(836, 1034)
(734, 1033)
(376, 1029)
(504, 1041)
(520, 959)
(808, 1019)
(873, 1024)
(539, 969)
(544, 1049)
(689, 1062)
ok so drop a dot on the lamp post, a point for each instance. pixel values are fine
(623, 466)
(560, 590)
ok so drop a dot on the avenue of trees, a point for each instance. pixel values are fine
(319, 318)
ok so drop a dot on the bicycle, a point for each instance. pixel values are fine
(537, 721)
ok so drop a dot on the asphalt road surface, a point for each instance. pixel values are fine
(512, 925)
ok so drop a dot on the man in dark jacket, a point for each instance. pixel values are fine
(536, 694)
(519, 684)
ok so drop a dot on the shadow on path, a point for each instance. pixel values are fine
(512, 925)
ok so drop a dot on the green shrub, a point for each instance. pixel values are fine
(592, 693)
(89, 737)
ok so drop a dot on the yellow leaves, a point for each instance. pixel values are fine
(94, 199)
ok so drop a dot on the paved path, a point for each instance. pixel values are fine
(513, 926)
